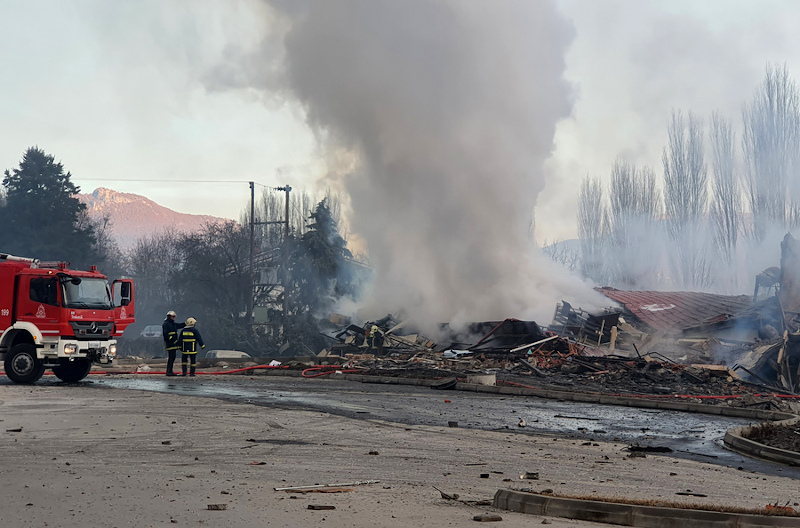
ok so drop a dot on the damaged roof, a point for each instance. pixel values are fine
(677, 310)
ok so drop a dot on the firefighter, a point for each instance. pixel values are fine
(169, 329)
(368, 336)
(375, 340)
(188, 340)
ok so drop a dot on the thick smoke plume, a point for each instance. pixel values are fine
(448, 111)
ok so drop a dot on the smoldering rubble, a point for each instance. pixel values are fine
(718, 349)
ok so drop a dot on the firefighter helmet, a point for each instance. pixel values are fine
(191, 321)
(171, 313)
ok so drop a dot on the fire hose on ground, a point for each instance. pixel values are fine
(328, 369)
(323, 371)
(163, 372)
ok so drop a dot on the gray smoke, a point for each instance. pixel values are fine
(444, 112)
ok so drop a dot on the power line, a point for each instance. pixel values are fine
(140, 180)
(161, 180)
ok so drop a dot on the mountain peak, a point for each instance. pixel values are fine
(133, 216)
(103, 197)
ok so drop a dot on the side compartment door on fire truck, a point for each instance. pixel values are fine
(122, 294)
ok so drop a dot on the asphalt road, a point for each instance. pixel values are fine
(689, 435)
(159, 458)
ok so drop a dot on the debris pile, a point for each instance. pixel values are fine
(645, 343)
(549, 361)
(380, 337)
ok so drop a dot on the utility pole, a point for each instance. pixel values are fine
(288, 189)
(285, 279)
(252, 249)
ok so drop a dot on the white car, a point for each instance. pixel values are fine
(227, 354)
(151, 331)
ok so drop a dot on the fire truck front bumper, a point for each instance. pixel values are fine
(102, 352)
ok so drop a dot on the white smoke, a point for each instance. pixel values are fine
(449, 109)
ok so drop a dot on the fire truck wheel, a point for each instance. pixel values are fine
(22, 365)
(41, 371)
(72, 371)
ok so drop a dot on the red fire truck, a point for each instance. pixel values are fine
(58, 318)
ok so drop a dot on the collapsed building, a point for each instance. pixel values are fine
(757, 337)
(655, 342)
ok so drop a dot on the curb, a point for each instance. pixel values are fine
(632, 515)
(735, 441)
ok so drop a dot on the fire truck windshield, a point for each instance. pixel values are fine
(88, 293)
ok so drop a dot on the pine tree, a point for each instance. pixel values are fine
(41, 216)
(319, 268)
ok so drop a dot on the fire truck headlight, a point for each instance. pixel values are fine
(112, 350)
(70, 349)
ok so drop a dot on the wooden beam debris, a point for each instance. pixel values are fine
(317, 486)
(529, 345)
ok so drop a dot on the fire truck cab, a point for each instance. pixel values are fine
(57, 318)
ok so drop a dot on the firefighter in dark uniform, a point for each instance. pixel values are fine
(170, 331)
(188, 341)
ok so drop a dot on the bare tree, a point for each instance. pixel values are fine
(270, 215)
(560, 253)
(726, 203)
(105, 251)
(770, 145)
(634, 205)
(648, 195)
(592, 231)
(622, 213)
(152, 262)
(685, 200)
(685, 174)
(272, 208)
(214, 272)
(302, 206)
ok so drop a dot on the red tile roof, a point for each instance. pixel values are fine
(677, 310)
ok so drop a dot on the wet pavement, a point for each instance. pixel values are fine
(689, 435)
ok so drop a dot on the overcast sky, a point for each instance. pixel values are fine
(123, 91)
